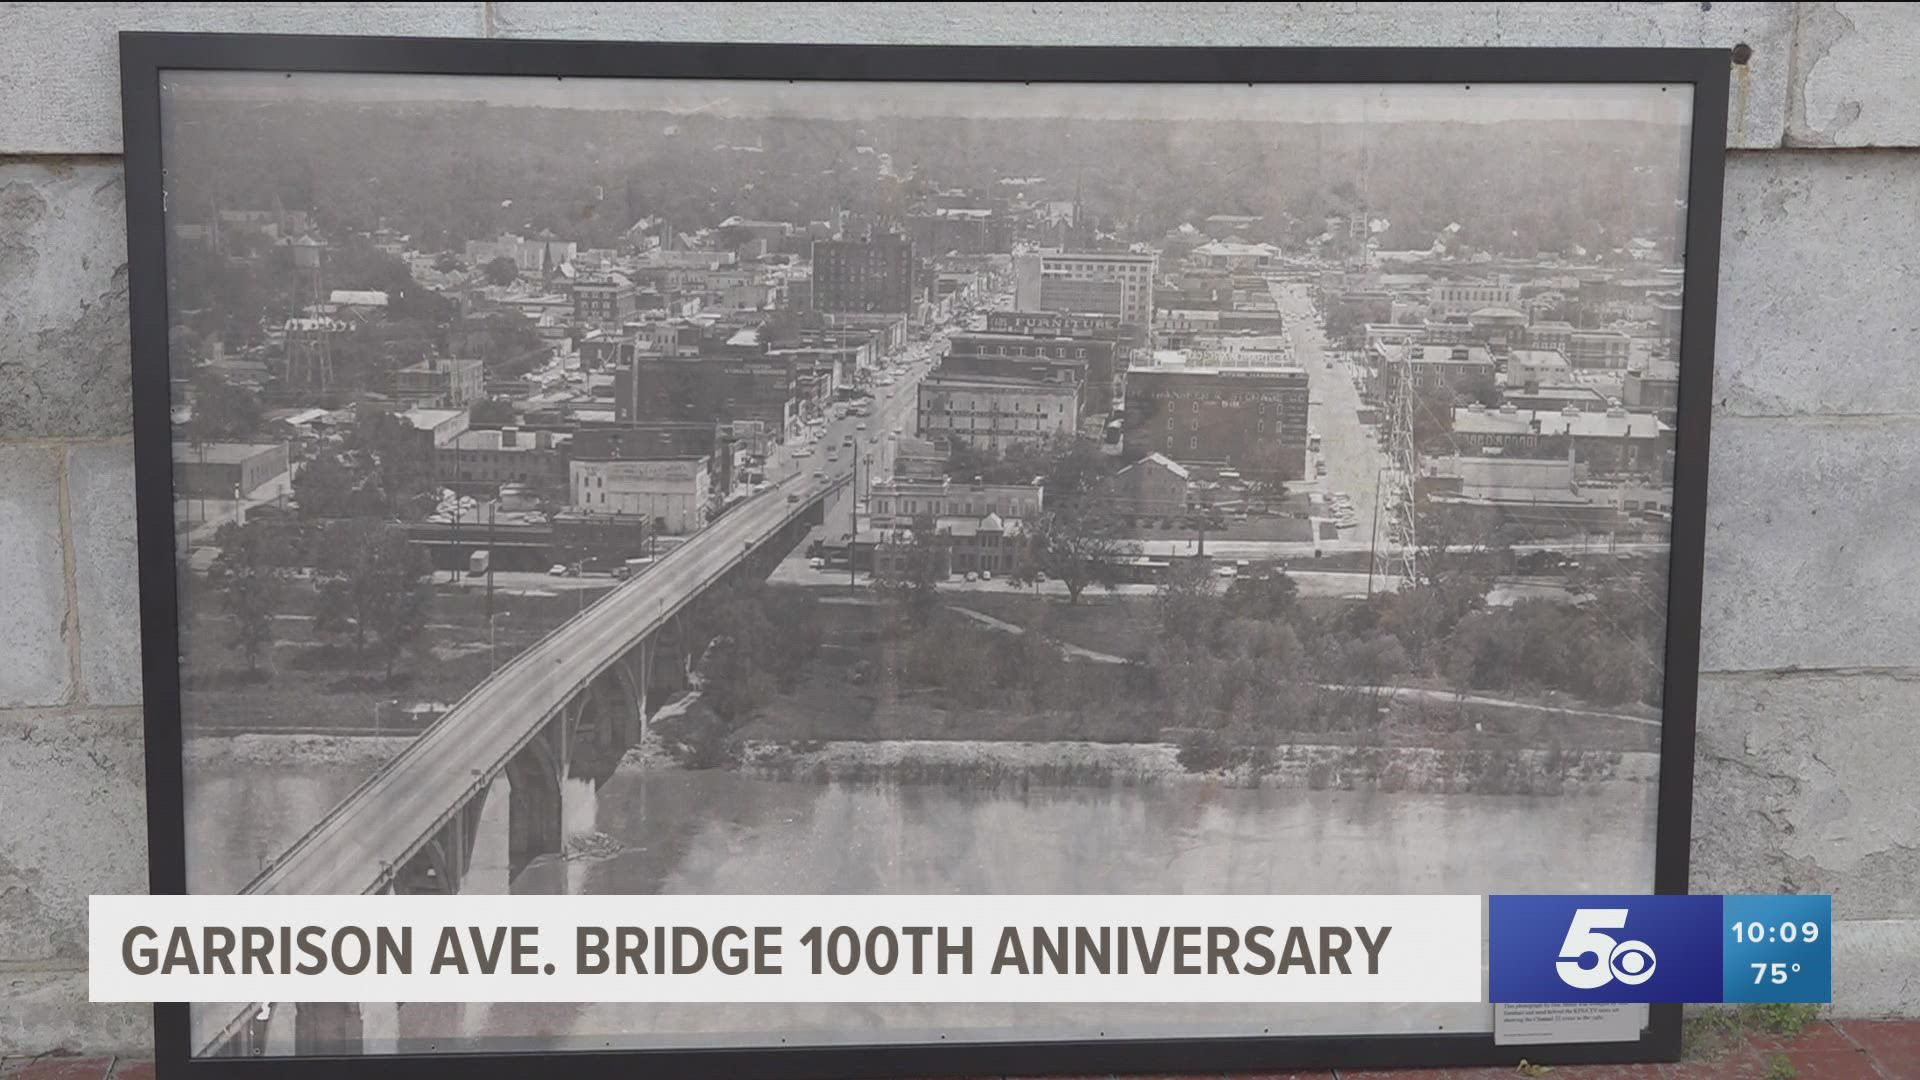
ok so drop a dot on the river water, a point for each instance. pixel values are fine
(675, 831)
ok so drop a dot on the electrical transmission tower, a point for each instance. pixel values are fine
(1402, 467)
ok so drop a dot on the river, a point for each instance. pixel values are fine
(674, 831)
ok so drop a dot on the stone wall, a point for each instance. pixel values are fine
(1811, 655)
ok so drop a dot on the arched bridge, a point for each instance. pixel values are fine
(568, 707)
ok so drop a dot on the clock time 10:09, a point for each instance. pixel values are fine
(1786, 933)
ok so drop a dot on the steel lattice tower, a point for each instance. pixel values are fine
(1403, 466)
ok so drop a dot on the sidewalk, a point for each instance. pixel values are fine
(1842, 1050)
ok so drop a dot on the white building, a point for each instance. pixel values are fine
(674, 492)
(993, 413)
(1134, 271)
(1466, 297)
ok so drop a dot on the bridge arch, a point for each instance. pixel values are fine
(533, 804)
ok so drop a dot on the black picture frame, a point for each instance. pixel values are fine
(145, 56)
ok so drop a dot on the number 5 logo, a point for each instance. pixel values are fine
(1631, 962)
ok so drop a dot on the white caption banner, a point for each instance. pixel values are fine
(786, 948)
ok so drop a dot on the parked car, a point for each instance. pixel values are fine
(557, 570)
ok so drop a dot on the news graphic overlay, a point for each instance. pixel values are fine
(1777, 948)
(1648, 949)
(856, 948)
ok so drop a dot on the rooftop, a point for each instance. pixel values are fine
(1507, 420)
(224, 453)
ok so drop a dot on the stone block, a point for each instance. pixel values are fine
(1792, 780)
(72, 824)
(1757, 112)
(47, 1012)
(63, 272)
(38, 666)
(1860, 76)
(1813, 315)
(106, 571)
(1808, 562)
(60, 63)
(1876, 967)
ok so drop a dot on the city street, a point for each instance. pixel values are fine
(1347, 446)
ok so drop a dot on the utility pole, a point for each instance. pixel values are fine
(490, 509)
(1373, 544)
(853, 521)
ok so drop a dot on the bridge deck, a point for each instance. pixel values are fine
(372, 832)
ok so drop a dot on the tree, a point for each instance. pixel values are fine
(1075, 546)
(397, 457)
(221, 411)
(250, 584)
(922, 565)
(325, 488)
(1187, 602)
(375, 587)
(502, 271)
(1268, 597)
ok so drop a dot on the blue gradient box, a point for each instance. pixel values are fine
(1604, 949)
(1777, 948)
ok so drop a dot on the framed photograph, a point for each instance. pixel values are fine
(701, 468)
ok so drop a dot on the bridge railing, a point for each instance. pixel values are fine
(441, 728)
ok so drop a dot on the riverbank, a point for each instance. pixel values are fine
(1315, 767)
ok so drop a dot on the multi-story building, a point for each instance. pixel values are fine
(675, 493)
(1466, 297)
(707, 389)
(1434, 366)
(1058, 292)
(1599, 349)
(873, 275)
(1611, 442)
(1133, 271)
(995, 413)
(603, 301)
(482, 459)
(1537, 367)
(1055, 324)
(1089, 361)
(1656, 389)
(440, 383)
(669, 473)
(903, 499)
(1253, 419)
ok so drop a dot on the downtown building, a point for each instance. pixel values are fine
(1088, 362)
(1252, 419)
(1098, 282)
(872, 276)
(995, 413)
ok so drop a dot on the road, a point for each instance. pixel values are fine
(408, 800)
(1347, 446)
(1396, 693)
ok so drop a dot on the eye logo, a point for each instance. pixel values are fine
(1631, 962)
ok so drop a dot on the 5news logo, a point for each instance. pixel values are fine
(1555, 949)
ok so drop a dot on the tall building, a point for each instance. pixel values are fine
(874, 275)
(994, 413)
(1253, 419)
(707, 389)
(1133, 271)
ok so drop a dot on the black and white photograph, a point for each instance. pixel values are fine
(660, 485)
